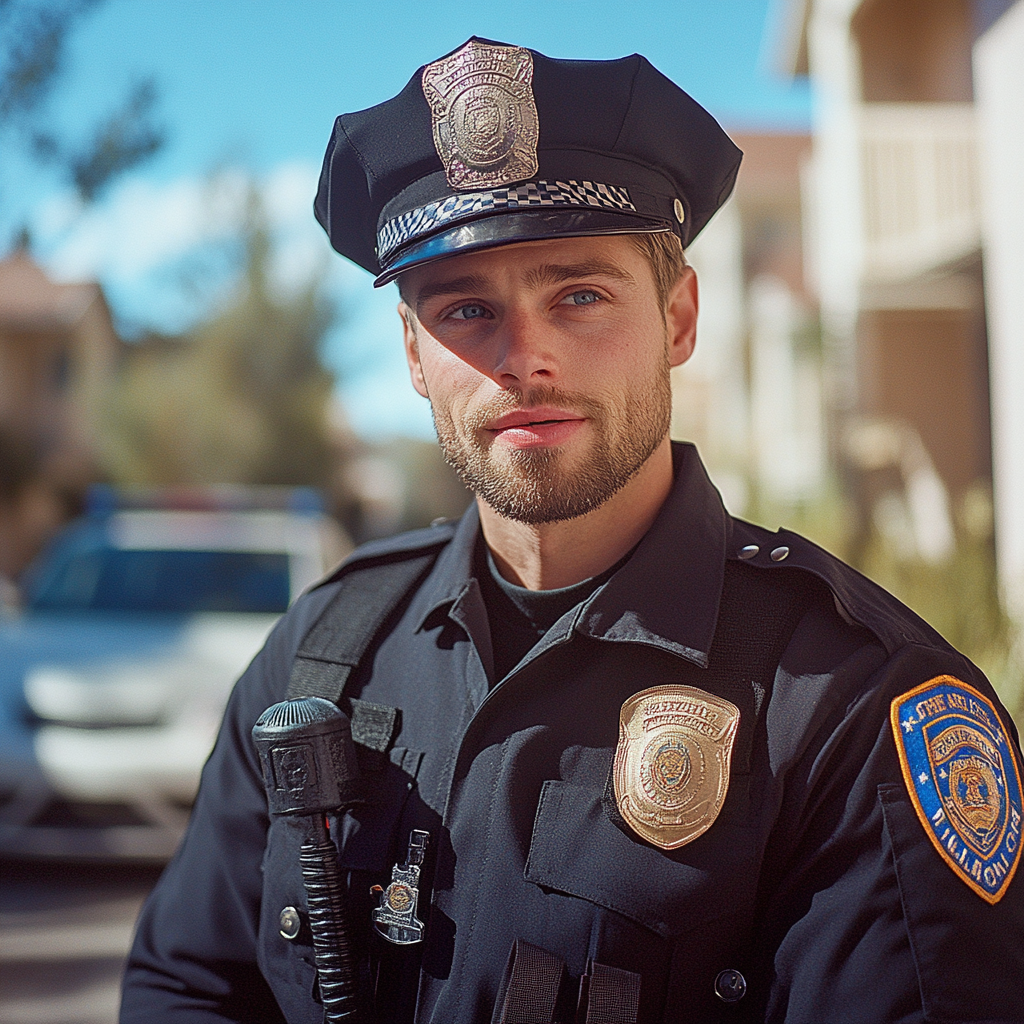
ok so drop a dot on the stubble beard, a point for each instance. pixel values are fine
(535, 485)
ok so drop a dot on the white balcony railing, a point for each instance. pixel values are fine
(920, 180)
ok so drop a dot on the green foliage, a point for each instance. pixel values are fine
(957, 597)
(124, 140)
(33, 55)
(242, 398)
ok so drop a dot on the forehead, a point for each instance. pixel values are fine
(613, 256)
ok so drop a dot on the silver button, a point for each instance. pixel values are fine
(290, 924)
(749, 551)
(677, 208)
(780, 553)
(730, 986)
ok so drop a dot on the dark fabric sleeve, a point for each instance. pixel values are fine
(865, 920)
(194, 954)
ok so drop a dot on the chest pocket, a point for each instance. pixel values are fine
(367, 837)
(688, 912)
(577, 850)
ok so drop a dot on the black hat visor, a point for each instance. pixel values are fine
(508, 227)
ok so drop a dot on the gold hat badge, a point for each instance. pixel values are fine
(672, 761)
(484, 115)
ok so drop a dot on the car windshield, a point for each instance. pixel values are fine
(113, 580)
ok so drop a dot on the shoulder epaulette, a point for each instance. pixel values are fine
(858, 600)
(392, 549)
(372, 583)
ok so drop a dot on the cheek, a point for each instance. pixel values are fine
(451, 383)
(630, 353)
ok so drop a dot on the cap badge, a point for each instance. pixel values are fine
(671, 770)
(961, 773)
(483, 114)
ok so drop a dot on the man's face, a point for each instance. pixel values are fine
(547, 368)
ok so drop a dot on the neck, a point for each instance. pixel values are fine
(546, 556)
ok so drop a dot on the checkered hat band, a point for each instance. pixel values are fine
(427, 219)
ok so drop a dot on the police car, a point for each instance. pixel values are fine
(113, 678)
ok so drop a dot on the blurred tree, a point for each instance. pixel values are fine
(33, 53)
(242, 398)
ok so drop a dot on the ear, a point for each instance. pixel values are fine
(412, 349)
(681, 317)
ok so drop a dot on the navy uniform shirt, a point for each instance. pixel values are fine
(817, 881)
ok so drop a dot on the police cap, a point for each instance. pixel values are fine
(493, 144)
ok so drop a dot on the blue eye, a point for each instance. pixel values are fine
(471, 311)
(582, 298)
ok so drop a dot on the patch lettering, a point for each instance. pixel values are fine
(964, 781)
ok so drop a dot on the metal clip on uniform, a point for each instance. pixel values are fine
(395, 918)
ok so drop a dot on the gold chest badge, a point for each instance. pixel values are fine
(483, 114)
(672, 762)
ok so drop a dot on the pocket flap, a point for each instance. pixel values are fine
(575, 849)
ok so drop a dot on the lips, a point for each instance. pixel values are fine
(543, 425)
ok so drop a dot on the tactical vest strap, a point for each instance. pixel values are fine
(344, 631)
(532, 985)
(609, 995)
(757, 615)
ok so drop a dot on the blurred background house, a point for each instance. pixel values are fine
(58, 352)
(751, 397)
(911, 202)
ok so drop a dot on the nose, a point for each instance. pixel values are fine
(526, 353)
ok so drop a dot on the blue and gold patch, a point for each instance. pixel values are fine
(964, 780)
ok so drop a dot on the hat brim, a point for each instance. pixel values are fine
(509, 227)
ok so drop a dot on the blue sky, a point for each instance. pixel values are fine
(251, 87)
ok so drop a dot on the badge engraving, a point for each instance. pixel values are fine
(483, 114)
(963, 779)
(671, 770)
(396, 918)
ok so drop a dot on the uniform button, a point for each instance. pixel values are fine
(749, 551)
(780, 553)
(677, 209)
(730, 986)
(290, 923)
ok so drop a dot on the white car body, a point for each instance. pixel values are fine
(107, 717)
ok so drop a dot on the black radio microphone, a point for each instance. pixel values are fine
(310, 769)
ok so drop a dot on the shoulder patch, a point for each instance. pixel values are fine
(963, 779)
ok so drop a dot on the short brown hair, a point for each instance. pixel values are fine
(664, 252)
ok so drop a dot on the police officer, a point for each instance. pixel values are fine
(626, 758)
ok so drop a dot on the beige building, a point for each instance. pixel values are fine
(899, 257)
(58, 350)
(751, 395)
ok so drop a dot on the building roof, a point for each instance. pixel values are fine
(31, 301)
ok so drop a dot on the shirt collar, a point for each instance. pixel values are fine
(453, 572)
(666, 595)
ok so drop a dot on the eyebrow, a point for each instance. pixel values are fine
(555, 273)
(451, 286)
